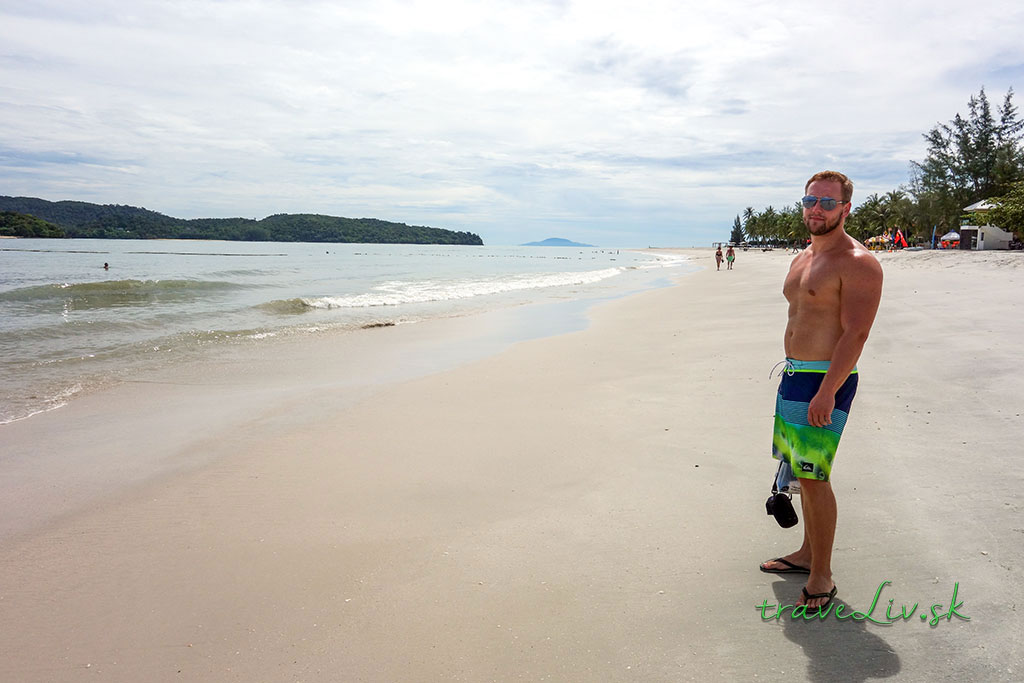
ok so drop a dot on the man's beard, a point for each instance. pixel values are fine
(825, 229)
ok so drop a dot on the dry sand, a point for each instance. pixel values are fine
(586, 507)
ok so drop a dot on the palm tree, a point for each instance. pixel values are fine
(871, 215)
(748, 217)
(793, 226)
(753, 228)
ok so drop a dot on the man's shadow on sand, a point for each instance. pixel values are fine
(837, 650)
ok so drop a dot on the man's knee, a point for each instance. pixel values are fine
(814, 487)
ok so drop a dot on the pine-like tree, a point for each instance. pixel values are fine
(737, 231)
(969, 159)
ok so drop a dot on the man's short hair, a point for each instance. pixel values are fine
(845, 182)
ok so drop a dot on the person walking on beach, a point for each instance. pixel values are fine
(718, 258)
(833, 288)
(730, 256)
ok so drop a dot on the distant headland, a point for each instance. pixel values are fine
(555, 242)
(31, 217)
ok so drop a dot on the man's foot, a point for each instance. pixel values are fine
(817, 601)
(781, 565)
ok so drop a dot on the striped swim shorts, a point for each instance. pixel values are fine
(809, 450)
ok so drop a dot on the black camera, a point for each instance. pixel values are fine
(780, 506)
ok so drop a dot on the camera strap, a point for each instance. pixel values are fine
(775, 481)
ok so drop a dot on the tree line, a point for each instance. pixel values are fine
(31, 217)
(970, 159)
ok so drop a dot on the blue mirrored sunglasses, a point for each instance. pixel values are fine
(827, 203)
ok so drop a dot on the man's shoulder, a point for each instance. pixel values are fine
(861, 256)
(858, 261)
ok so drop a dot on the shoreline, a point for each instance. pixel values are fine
(588, 506)
(219, 386)
(73, 327)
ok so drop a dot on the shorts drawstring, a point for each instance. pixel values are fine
(789, 368)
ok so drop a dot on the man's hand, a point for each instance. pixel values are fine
(819, 411)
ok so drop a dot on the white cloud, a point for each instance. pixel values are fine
(649, 124)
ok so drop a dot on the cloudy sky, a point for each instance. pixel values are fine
(613, 123)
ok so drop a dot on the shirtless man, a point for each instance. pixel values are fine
(833, 288)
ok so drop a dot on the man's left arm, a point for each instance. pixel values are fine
(859, 296)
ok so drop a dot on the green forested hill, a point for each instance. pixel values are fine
(114, 221)
(13, 224)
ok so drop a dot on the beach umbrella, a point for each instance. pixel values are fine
(951, 235)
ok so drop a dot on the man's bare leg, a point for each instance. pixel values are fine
(819, 508)
(801, 558)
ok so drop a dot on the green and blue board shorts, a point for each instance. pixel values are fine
(809, 450)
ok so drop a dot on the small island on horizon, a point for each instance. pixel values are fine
(555, 242)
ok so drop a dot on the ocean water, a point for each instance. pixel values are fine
(68, 325)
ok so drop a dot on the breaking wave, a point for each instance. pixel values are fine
(397, 292)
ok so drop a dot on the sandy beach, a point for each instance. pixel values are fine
(584, 507)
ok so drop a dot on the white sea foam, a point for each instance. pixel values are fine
(664, 261)
(398, 292)
(57, 400)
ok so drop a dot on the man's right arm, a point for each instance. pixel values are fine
(859, 296)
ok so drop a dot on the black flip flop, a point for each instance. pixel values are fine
(790, 567)
(807, 596)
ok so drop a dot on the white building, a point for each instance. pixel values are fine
(982, 237)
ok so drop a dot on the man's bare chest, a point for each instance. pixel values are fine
(812, 282)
